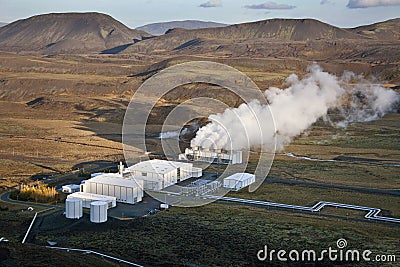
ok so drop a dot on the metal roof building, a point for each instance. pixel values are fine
(125, 190)
(88, 198)
(70, 188)
(238, 181)
(158, 174)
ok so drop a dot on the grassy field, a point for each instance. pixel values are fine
(29, 145)
(222, 235)
(308, 196)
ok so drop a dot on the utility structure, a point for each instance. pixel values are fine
(211, 155)
(158, 174)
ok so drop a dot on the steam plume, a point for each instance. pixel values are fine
(172, 134)
(295, 109)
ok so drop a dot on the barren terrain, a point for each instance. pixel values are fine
(60, 112)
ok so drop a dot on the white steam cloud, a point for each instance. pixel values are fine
(172, 134)
(295, 109)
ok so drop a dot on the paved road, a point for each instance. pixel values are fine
(6, 198)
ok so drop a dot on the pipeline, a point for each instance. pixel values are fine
(372, 213)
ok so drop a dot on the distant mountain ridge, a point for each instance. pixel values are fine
(286, 30)
(385, 30)
(81, 33)
(160, 28)
(3, 24)
(280, 29)
(67, 33)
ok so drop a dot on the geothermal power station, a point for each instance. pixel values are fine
(104, 190)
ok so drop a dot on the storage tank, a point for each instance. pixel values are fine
(73, 208)
(98, 211)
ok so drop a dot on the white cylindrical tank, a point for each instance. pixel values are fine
(98, 211)
(73, 208)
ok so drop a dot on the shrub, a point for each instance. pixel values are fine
(38, 192)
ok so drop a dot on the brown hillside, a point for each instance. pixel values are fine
(286, 30)
(386, 30)
(161, 27)
(66, 33)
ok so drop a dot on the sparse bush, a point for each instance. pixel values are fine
(38, 192)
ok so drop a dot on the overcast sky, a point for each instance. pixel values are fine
(134, 13)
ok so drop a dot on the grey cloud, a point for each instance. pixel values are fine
(269, 5)
(372, 3)
(211, 3)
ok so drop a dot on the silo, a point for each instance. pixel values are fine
(98, 211)
(73, 208)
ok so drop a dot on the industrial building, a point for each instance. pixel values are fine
(88, 198)
(197, 172)
(158, 174)
(218, 156)
(125, 190)
(238, 181)
(70, 188)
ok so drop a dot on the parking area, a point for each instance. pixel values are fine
(123, 210)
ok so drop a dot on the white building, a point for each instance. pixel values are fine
(197, 172)
(238, 181)
(219, 156)
(125, 190)
(88, 198)
(70, 188)
(158, 174)
(96, 174)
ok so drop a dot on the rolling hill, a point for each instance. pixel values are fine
(67, 33)
(161, 27)
(386, 30)
(282, 30)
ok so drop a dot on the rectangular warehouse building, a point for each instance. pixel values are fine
(88, 198)
(238, 181)
(112, 184)
(70, 188)
(158, 174)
